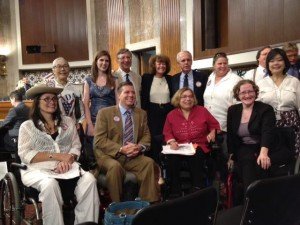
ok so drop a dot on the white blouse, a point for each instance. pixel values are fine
(159, 92)
(32, 141)
(286, 97)
(219, 96)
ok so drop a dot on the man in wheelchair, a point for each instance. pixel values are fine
(49, 145)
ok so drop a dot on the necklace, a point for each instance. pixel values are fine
(50, 129)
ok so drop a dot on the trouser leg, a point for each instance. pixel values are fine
(196, 164)
(173, 171)
(87, 208)
(52, 201)
(114, 177)
(146, 172)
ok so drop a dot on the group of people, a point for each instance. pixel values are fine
(188, 107)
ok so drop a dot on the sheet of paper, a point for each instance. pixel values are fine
(184, 149)
(3, 169)
(72, 173)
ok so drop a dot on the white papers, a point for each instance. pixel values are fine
(72, 173)
(184, 149)
(3, 169)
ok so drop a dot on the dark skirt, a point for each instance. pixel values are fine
(291, 119)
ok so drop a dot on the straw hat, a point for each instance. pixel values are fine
(41, 89)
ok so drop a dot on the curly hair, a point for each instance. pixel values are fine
(159, 58)
(236, 88)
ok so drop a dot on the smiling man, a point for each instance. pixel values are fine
(124, 73)
(193, 79)
(70, 102)
(121, 138)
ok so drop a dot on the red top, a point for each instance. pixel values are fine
(194, 130)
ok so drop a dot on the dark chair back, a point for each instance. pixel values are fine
(282, 153)
(273, 201)
(197, 208)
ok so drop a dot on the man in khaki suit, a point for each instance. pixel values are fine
(115, 155)
(124, 73)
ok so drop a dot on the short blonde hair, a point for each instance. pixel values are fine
(176, 98)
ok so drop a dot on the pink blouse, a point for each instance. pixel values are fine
(194, 130)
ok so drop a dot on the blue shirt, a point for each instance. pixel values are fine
(190, 80)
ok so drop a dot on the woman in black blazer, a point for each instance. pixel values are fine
(156, 98)
(250, 127)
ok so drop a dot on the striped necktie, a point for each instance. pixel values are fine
(128, 130)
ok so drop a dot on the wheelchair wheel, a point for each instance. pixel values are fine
(10, 204)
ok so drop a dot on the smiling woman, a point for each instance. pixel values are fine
(282, 92)
(188, 123)
(250, 128)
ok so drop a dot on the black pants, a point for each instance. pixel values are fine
(248, 168)
(195, 165)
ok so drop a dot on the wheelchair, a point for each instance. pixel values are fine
(15, 199)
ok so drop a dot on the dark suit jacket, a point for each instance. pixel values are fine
(15, 117)
(261, 123)
(147, 80)
(200, 81)
(108, 137)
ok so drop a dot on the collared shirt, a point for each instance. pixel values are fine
(218, 97)
(192, 130)
(123, 114)
(286, 97)
(260, 73)
(190, 80)
(294, 71)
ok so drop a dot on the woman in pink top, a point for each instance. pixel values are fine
(188, 123)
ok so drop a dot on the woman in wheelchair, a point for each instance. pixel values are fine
(188, 123)
(250, 127)
(49, 145)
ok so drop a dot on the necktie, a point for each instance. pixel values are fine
(186, 81)
(128, 131)
(127, 77)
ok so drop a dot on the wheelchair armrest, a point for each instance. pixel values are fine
(297, 165)
(19, 166)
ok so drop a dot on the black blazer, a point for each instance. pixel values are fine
(15, 117)
(261, 123)
(147, 80)
(200, 81)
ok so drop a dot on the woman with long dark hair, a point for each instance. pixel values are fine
(49, 145)
(99, 92)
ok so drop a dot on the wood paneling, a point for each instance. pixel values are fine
(116, 30)
(62, 23)
(170, 30)
(251, 24)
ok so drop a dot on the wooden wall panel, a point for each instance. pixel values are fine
(252, 24)
(116, 29)
(170, 30)
(62, 23)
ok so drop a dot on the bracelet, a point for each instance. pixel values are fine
(74, 156)
(50, 156)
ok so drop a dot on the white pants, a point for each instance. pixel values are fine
(87, 208)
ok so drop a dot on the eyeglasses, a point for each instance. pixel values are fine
(243, 93)
(187, 96)
(61, 67)
(48, 99)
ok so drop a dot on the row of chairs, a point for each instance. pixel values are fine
(274, 201)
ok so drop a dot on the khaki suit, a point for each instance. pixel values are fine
(136, 79)
(108, 140)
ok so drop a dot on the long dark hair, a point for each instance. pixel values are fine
(110, 79)
(36, 115)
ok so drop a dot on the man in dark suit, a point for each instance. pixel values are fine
(187, 77)
(121, 137)
(15, 117)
